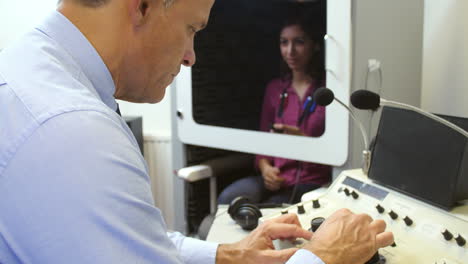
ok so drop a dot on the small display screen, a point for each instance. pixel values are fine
(365, 188)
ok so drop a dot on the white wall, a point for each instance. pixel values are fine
(156, 117)
(18, 16)
(445, 57)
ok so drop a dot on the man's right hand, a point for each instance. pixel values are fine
(348, 238)
(271, 177)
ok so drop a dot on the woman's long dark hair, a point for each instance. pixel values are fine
(314, 26)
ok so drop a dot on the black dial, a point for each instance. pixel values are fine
(460, 240)
(316, 204)
(408, 221)
(447, 235)
(346, 191)
(393, 215)
(354, 194)
(380, 209)
(315, 223)
(300, 209)
(375, 259)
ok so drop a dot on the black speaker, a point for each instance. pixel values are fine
(135, 123)
(421, 157)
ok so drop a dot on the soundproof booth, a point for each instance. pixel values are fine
(390, 159)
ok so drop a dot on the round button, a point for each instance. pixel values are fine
(315, 223)
(380, 209)
(408, 221)
(300, 209)
(316, 204)
(375, 259)
(393, 215)
(447, 235)
(460, 240)
(346, 191)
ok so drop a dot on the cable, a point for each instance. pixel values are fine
(298, 174)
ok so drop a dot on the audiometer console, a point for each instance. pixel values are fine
(424, 234)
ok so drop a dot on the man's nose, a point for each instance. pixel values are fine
(189, 58)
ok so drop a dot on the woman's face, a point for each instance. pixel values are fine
(296, 47)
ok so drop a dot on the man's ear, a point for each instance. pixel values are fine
(139, 10)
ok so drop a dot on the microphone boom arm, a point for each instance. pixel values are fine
(363, 131)
(366, 154)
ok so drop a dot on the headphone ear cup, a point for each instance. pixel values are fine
(247, 216)
(234, 205)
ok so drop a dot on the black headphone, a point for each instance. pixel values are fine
(245, 213)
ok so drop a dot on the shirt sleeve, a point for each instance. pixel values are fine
(77, 191)
(304, 257)
(194, 251)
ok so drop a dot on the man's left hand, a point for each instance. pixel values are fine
(258, 247)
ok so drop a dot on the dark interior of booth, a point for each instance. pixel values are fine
(237, 54)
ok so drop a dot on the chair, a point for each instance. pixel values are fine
(212, 169)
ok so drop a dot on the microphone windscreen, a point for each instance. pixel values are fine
(366, 100)
(323, 96)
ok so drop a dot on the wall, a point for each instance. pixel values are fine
(445, 57)
(18, 16)
(156, 117)
(21, 16)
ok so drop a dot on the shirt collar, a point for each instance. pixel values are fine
(70, 38)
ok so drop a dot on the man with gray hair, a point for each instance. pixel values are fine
(75, 188)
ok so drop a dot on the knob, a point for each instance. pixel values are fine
(447, 235)
(393, 245)
(380, 209)
(354, 194)
(408, 221)
(346, 191)
(460, 240)
(300, 209)
(284, 212)
(375, 259)
(315, 204)
(315, 223)
(393, 215)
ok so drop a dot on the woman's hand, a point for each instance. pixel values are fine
(287, 129)
(271, 176)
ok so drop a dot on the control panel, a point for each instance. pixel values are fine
(423, 233)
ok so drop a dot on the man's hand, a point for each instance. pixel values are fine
(347, 238)
(271, 177)
(257, 248)
(287, 129)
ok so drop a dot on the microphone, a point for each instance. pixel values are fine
(324, 96)
(367, 100)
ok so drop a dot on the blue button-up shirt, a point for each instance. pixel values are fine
(74, 186)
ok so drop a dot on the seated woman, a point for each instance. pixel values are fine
(288, 107)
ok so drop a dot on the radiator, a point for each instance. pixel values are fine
(158, 151)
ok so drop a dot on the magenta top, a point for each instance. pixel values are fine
(313, 126)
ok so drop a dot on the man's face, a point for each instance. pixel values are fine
(162, 44)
